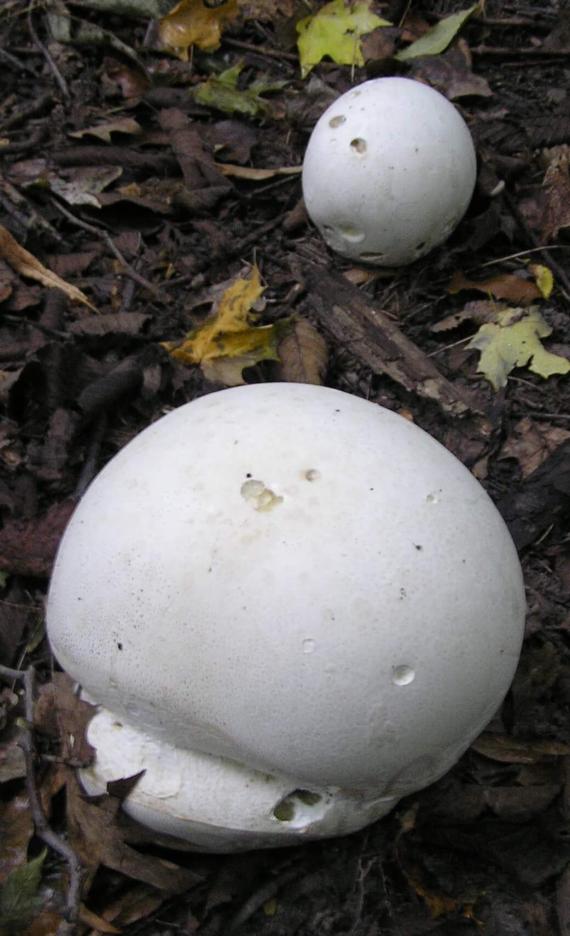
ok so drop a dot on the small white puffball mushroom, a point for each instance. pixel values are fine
(389, 171)
(292, 606)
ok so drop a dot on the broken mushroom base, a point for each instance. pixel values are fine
(214, 803)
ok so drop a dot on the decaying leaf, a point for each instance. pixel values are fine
(438, 38)
(514, 751)
(19, 900)
(28, 547)
(104, 131)
(451, 73)
(27, 265)
(502, 286)
(16, 830)
(531, 443)
(303, 353)
(256, 175)
(543, 278)
(191, 22)
(228, 341)
(221, 93)
(514, 341)
(336, 31)
(60, 713)
(98, 838)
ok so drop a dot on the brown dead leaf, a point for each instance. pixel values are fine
(27, 265)
(532, 442)
(204, 184)
(12, 761)
(113, 323)
(60, 713)
(137, 904)
(502, 286)
(28, 547)
(46, 924)
(96, 922)
(16, 830)
(451, 73)
(192, 22)
(98, 838)
(256, 175)
(380, 44)
(508, 750)
(303, 354)
(126, 125)
(480, 312)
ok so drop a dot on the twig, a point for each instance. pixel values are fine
(60, 80)
(23, 114)
(15, 63)
(261, 896)
(158, 294)
(42, 827)
(260, 50)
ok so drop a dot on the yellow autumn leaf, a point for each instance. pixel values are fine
(514, 341)
(543, 278)
(336, 31)
(229, 341)
(191, 22)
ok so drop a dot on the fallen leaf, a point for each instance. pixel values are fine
(96, 922)
(303, 354)
(19, 900)
(256, 175)
(27, 265)
(221, 92)
(16, 830)
(228, 341)
(60, 713)
(83, 185)
(514, 341)
(104, 131)
(191, 23)
(336, 31)
(451, 73)
(543, 278)
(12, 762)
(438, 37)
(98, 838)
(532, 442)
(113, 323)
(502, 286)
(28, 547)
(509, 750)
(138, 903)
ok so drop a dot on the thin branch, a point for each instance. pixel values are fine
(128, 269)
(60, 80)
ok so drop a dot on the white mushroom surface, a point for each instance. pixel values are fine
(293, 607)
(389, 171)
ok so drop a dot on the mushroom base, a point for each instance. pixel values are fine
(215, 804)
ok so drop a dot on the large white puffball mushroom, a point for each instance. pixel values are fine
(389, 171)
(293, 607)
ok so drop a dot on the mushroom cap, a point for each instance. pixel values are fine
(298, 581)
(389, 171)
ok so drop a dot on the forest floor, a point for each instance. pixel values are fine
(129, 203)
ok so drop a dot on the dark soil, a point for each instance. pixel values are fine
(144, 223)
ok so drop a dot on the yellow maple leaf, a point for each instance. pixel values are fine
(191, 22)
(228, 341)
(514, 341)
(336, 31)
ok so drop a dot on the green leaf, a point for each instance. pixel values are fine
(514, 341)
(4, 576)
(19, 901)
(438, 37)
(221, 93)
(336, 31)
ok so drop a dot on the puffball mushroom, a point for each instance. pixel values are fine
(389, 171)
(292, 606)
